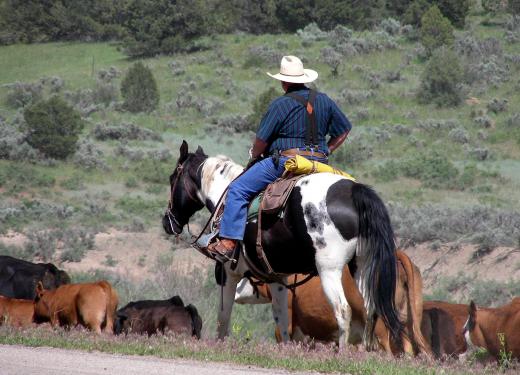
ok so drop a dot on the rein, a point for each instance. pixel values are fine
(262, 277)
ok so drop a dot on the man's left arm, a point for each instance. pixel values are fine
(339, 128)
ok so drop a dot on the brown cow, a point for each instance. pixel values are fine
(92, 305)
(486, 327)
(311, 315)
(16, 312)
(442, 326)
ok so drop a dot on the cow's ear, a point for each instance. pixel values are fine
(183, 151)
(472, 309)
(39, 290)
(122, 316)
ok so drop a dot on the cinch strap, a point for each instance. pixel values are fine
(311, 129)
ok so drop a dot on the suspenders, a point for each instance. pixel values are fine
(311, 128)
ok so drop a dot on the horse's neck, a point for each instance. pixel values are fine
(217, 173)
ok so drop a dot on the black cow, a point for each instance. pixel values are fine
(18, 278)
(152, 316)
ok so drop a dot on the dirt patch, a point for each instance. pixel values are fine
(500, 264)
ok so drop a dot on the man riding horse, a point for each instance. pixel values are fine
(296, 123)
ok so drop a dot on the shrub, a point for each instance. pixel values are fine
(441, 80)
(139, 89)
(260, 106)
(75, 244)
(434, 169)
(391, 26)
(21, 94)
(513, 6)
(311, 33)
(455, 10)
(333, 59)
(436, 30)
(497, 105)
(125, 131)
(53, 127)
(42, 244)
(459, 135)
(261, 56)
(89, 156)
(104, 93)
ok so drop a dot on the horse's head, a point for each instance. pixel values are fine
(185, 184)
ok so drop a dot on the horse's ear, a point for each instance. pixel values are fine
(200, 151)
(183, 151)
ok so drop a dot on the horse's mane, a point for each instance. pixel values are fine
(221, 164)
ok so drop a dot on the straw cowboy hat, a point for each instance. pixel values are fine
(291, 70)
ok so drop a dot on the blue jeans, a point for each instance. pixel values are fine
(243, 190)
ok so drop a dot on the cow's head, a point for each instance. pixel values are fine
(119, 323)
(41, 305)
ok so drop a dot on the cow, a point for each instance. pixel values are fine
(153, 316)
(18, 278)
(92, 305)
(16, 312)
(495, 329)
(310, 315)
(442, 325)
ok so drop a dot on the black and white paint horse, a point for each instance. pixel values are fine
(328, 222)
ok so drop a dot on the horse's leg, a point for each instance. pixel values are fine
(280, 309)
(228, 298)
(330, 263)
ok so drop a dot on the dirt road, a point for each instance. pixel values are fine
(20, 360)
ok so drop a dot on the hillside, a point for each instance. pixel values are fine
(450, 175)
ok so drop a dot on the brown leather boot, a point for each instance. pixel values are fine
(223, 249)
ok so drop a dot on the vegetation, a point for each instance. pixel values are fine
(293, 357)
(139, 89)
(436, 30)
(442, 79)
(53, 127)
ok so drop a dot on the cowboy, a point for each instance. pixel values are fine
(296, 123)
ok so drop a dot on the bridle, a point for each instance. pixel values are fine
(169, 211)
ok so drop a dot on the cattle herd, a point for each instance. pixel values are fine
(40, 293)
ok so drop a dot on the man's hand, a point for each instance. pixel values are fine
(258, 149)
(334, 143)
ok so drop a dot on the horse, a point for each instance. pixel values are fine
(310, 316)
(328, 221)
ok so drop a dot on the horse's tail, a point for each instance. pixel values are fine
(376, 244)
(415, 301)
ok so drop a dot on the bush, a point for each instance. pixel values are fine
(311, 33)
(333, 59)
(441, 80)
(139, 89)
(21, 94)
(497, 105)
(455, 10)
(513, 6)
(434, 169)
(125, 131)
(53, 127)
(260, 106)
(436, 30)
(104, 93)
(89, 156)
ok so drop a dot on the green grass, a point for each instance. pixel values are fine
(241, 351)
(393, 103)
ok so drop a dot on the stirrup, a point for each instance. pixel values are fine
(229, 256)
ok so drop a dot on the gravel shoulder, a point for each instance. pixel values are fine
(21, 360)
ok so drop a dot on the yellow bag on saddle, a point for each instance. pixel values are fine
(300, 165)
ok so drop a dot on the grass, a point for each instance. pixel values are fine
(293, 357)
